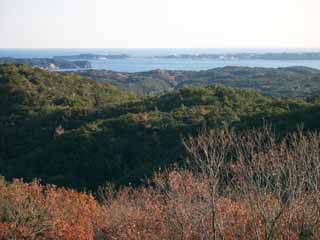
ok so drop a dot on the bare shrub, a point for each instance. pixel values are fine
(208, 155)
(238, 186)
(273, 178)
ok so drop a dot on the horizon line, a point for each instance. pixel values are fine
(315, 48)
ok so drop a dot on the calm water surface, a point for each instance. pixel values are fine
(141, 59)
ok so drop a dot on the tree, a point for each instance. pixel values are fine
(208, 153)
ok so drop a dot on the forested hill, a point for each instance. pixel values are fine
(277, 82)
(35, 102)
(47, 63)
(28, 90)
(71, 131)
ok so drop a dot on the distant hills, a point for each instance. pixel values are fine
(248, 56)
(90, 56)
(89, 60)
(47, 63)
(72, 131)
(80, 61)
(277, 82)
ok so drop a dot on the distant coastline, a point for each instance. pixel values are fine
(250, 56)
(52, 64)
(140, 60)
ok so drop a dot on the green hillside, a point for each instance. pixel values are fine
(34, 103)
(276, 82)
(71, 131)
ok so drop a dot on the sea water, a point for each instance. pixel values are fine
(146, 60)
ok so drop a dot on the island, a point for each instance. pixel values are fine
(247, 56)
(47, 63)
(90, 56)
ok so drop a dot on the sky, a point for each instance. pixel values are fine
(159, 24)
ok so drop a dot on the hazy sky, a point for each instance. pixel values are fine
(159, 23)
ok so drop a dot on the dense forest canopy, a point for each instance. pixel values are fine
(72, 131)
(276, 82)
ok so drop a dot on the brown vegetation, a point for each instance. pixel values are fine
(236, 186)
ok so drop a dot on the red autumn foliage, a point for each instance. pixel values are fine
(178, 204)
(32, 211)
(178, 210)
